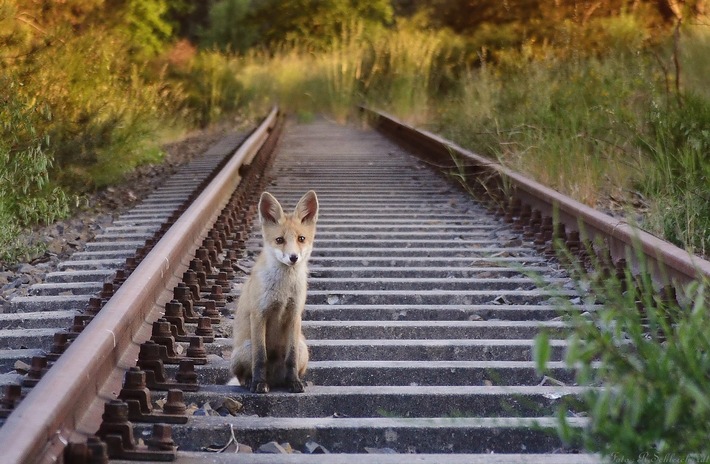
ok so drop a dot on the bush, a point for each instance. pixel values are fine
(651, 359)
(394, 68)
(210, 81)
(26, 194)
(79, 104)
(105, 109)
(88, 62)
(677, 144)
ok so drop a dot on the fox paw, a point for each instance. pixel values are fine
(296, 386)
(259, 387)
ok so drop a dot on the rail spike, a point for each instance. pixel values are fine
(149, 360)
(136, 395)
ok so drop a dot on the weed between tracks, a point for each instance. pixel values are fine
(651, 355)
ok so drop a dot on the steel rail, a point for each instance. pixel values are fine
(668, 263)
(66, 405)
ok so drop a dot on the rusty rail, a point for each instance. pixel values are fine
(66, 405)
(669, 264)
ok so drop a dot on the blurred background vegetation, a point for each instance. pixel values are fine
(607, 100)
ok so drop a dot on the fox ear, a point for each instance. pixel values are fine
(269, 209)
(307, 208)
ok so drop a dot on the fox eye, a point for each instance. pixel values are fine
(301, 238)
(279, 240)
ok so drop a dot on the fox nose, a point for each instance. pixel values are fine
(293, 258)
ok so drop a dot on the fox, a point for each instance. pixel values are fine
(269, 346)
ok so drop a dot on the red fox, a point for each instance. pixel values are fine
(269, 347)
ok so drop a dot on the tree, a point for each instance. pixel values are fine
(228, 27)
(526, 19)
(144, 22)
(315, 23)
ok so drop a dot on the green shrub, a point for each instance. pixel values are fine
(79, 104)
(677, 144)
(210, 80)
(651, 358)
(26, 194)
(105, 111)
(312, 24)
(90, 65)
(392, 68)
(228, 28)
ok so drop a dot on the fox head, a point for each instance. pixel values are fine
(289, 237)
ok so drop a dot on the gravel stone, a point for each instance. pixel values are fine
(312, 447)
(272, 448)
(380, 450)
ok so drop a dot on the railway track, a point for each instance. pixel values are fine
(420, 319)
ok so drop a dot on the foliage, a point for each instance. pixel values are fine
(525, 81)
(694, 46)
(80, 104)
(105, 111)
(229, 27)
(314, 24)
(593, 129)
(563, 92)
(564, 123)
(566, 24)
(146, 25)
(394, 68)
(87, 64)
(537, 17)
(25, 161)
(26, 195)
(211, 86)
(651, 356)
(679, 144)
(678, 148)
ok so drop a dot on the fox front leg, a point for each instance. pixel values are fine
(258, 382)
(258, 356)
(293, 381)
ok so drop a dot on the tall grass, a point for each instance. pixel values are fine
(678, 179)
(393, 68)
(564, 124)
(650, 356)
(606, 130)
(26, 194)
(694, 50)
(211, 86)
(591, 116)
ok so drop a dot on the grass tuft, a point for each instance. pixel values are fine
(649, 354)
